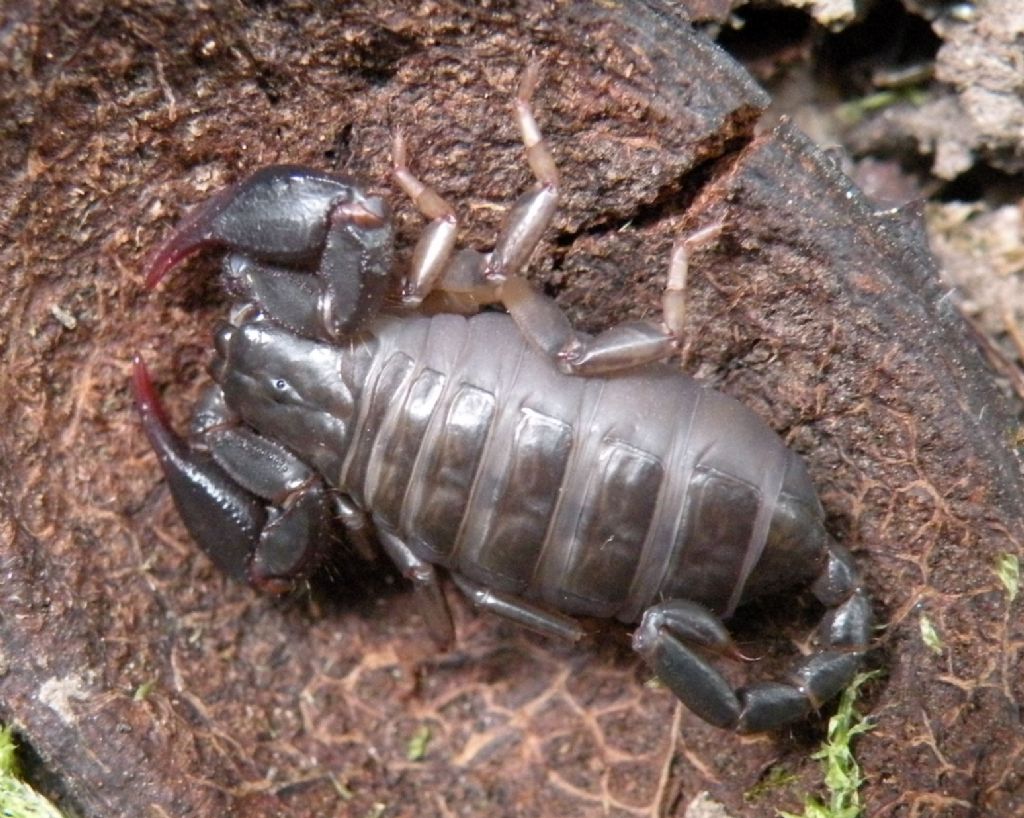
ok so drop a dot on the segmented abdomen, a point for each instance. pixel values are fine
(595, 495)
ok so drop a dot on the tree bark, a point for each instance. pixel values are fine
(152, 686)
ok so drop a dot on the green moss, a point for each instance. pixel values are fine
(8, 758)
(776, 778)
(417, 747)
(143, 690)
(854, 111)
(18, 799)
(843, 777)
(930, 635)
(1008, 571)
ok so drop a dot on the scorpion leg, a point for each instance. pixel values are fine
(523, 613)
(256, 510)
(532, 213)
(471, 279)
(358, 527)
(669, 631)
(623, 347)
(456, 283)
(431, 257)
(426, 584)
(285, 222)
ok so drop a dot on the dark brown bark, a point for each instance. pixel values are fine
(152, 686)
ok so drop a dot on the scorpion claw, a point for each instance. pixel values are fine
(289, 543)
(279, 215)
(256, 510)
(196, 231)
(289, 221)
(222, 517)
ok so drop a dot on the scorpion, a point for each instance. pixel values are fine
(555, 475)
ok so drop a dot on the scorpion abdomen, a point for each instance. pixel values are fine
(597, 496)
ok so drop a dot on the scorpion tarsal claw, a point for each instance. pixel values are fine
(223, 518)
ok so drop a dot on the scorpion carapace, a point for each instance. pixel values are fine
(553, 474)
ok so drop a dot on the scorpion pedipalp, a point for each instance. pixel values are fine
(259, 512)
(288, 222)
(222, 517)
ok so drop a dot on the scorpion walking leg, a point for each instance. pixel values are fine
(529, 616)
(626, 346)
(425, 582)
(257, 510)
(471, 279)
(359, 528)
(453, 283)
(669, 631)
(532, 213)
(431, 257)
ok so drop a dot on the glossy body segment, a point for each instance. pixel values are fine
(597, 496)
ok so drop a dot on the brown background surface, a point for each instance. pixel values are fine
(148, 685)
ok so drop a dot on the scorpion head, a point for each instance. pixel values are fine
(290, 389)
(253, 496)
(259, 512)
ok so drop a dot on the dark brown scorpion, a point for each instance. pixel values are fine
(553, 474)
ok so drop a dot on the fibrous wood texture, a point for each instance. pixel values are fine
(149, 685)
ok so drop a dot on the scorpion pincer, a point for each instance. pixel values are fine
(553, 474)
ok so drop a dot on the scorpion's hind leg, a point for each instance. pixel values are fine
(257, 511)
(474, 279)
(520, 611)
(619, 348)
(669, 632)
(312, 249)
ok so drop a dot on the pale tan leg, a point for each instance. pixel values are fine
(477, 278)
(468, 280)
(619, 348)
(434, 249)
